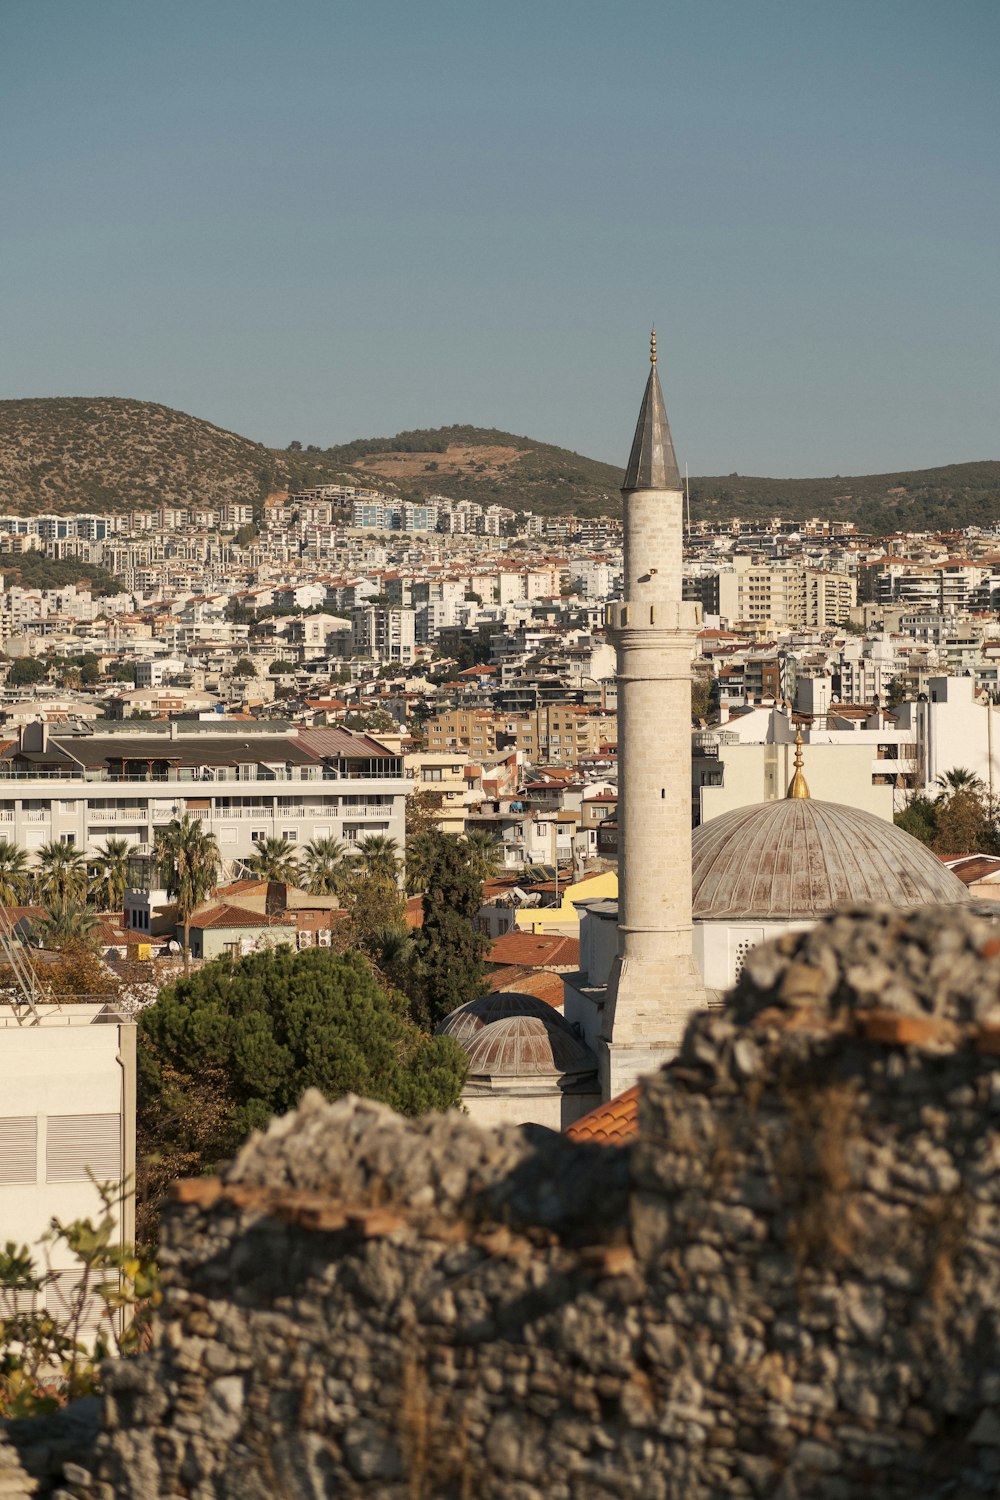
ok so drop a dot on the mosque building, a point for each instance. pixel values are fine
(690, 907)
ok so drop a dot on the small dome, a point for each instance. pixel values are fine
(797, 859)
(469, 1019)
(525, 1046)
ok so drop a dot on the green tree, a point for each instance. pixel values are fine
(378, 855)
(26, 672)
(483, 851)
(188, 861)
(121, 671)
(324, 866)
(112, 866)
(224, 1049)
(275, 859)
(281, 668)
(701, 699)
(958, 779)
(62, 873)
(919, 818)
(448, 950)
(244, 668)
(66, 924)
(246, 535)
(962, 822)
(15, 877)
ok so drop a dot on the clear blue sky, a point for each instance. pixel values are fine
(323, 220)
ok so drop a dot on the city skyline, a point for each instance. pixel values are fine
(335, 224)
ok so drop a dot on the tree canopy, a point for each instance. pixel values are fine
(223, 1049)
(448, 950)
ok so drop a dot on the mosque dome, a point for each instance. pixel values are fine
(528, 1046)
(796, 859)
(468, 1020)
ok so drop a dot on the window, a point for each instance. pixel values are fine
(291, 834)
(69, 839)
(258, 833)
(18, 1145)
(432, 773)
(79, 1145)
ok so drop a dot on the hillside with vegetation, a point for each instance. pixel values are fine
(103, 453)
(109, 454)
(951, 497)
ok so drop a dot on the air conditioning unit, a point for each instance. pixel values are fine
(324, 938)
(304, 939)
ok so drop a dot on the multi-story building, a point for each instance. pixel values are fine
(243, 781)
(561, 733)
(384, 633)
(466, 729)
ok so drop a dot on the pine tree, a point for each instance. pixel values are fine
(448, 948)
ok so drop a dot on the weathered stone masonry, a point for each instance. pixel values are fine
(789, 1286)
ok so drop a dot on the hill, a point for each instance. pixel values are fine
(953, 496)
(105, 453)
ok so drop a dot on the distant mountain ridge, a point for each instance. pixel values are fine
(112, 453)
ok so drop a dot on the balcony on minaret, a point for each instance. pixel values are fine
(674, 615)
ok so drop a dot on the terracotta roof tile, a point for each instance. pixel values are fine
(537, 982)
(615, 1123)
(535, 950)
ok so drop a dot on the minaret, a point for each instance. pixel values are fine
(655, 984)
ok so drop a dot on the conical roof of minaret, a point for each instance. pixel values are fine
(652, 464)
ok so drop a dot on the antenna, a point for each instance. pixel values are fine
(687, 503)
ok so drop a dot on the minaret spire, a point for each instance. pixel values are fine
(652, 464)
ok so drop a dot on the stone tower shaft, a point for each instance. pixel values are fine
(655, 985)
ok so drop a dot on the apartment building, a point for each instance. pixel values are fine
(561, 733)
(244, 781)
(790, 597)
(448, 782)
(472, 730)
(384, 633)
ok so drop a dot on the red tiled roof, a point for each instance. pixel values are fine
(535, 950)
(537, 982)
(614, 1123)
(225, 915)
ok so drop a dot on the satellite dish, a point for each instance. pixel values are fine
(173, 946)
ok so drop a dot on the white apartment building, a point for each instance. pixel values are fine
(953, 729)
(244, 781)
(384, 633)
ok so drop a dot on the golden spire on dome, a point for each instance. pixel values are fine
(797, 788)
(652, 346)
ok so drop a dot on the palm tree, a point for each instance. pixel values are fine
(188, 861)
(112, 878)
(62, 873)
(66, 924)
(324, 866)
(15, 878)
(391, 950)
(957, 780)
(275, 860)
(483, 852)
(378, 855)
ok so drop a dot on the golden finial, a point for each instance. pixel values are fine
(652, 347)
(797, 788)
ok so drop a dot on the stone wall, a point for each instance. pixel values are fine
(788, 1286)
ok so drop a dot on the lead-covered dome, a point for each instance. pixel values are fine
(797, 859)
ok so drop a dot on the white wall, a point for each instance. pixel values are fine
(834, 773)
(73, 1065)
